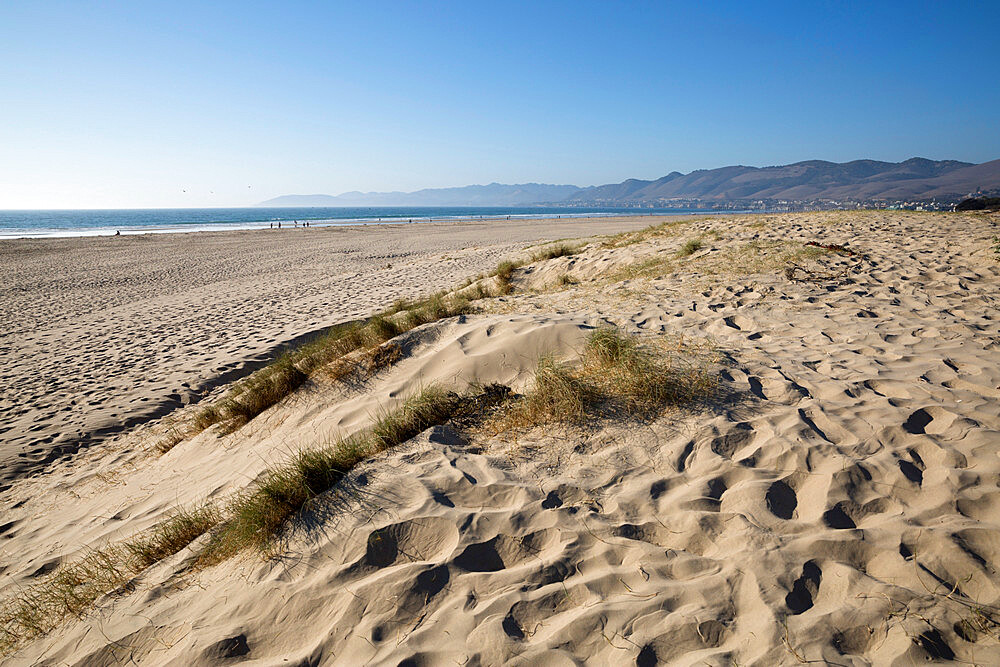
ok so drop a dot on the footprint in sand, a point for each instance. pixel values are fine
(804, 590)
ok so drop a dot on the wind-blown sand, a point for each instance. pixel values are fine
(99, 334)
(838, 502)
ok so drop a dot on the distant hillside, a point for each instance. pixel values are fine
(861, 180)
(494, 194)
(814, 181)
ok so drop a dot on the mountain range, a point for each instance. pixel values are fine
(813, 181)
(494, 194)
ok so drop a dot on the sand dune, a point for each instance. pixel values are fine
(836, 502)
(101, 334)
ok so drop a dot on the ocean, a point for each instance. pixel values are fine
(67, 223)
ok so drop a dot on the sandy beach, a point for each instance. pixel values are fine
(832, 499)
(100, 334)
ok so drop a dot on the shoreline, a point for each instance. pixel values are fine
(11, 233)
(104, 333)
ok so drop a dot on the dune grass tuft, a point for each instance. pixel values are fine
(380, 329)
(172, 535)
(261, 390)
(256, 515)
(616, 376)
(565, 280)
(67, 592)
(690, 247)
(557, 394)
(430, 407)
(504, 272)
(641, 379)
(258, 392)
(172, 438)
(554, 251)
(74, 587)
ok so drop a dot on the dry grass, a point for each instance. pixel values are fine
(256, 515)
(640, 379)
(172, 438)
(565, 280)
(756, 257)
(503, 273)
(74, 587)
(382, 357)
(557, 394)
(664, 229)
(554, 251)
(172, 535)
(653, 267)
(68, 592)
(690, 247)
(616, 376)
(258, 392)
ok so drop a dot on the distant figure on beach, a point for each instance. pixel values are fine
(118, 232)
(279, 225)
(272, 225)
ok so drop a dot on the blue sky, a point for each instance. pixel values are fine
(133, 104)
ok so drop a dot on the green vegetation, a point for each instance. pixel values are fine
(170, 536)
(256, 393)
(616, 375)
(979, 204)
(73, 588)
(690, 247)
(256, 515)
(554, 251)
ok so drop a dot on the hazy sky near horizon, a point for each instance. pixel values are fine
(178, 104)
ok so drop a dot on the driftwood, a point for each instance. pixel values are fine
(797, 273)
(835, 247)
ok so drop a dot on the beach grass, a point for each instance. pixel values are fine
(616, 376)
(554, 251)
(690, 247)
(73, 588)
(170, 536)
(256, 515)
(258, 392)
